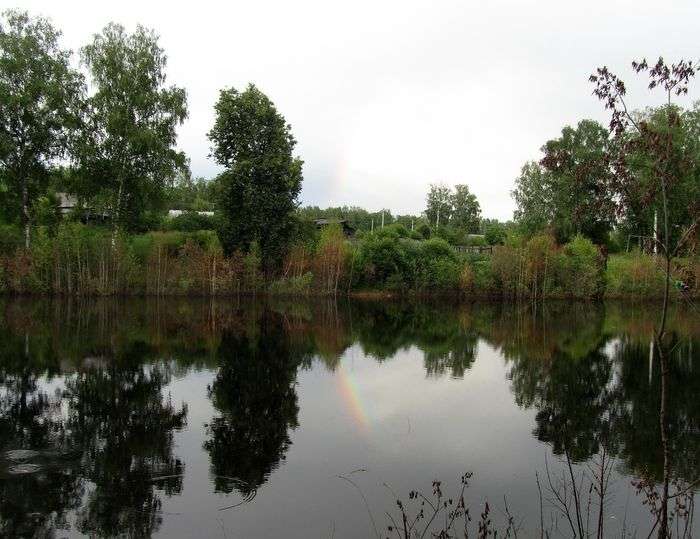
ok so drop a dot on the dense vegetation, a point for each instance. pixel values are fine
(586, 224)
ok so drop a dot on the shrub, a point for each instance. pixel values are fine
(467, 279)
(380, 257)
(294, 285)
(11, 238)
(424, 230)
(583, 274)
(437, 248)
(495, 233)
(634, 274)
(189, 222)
(331, 258)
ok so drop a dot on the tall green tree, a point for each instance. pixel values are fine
(569, 190)
(39, 93)
(580, 177)
(127, 152)
(533, 198)
(438, 204)
(637, 184)
(258, 191)
(466, 211)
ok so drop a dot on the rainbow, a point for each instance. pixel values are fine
(350, 394)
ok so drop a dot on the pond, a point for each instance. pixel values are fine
(182, 418)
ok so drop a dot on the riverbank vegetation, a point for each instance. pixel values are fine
(95, 198)
(80, 259)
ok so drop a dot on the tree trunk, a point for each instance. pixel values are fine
(25, 212)
(117, 214)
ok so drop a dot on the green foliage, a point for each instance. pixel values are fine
(292, 286)
(639, 190)
(39, 96)
(190, 221)
(466, 211)
(582, 272)
(258, 192)
(10, 238)
(569, 190)
(634, 275)
(191, 194)
(380, 259)
(424, 230)
(126, 148)
(494, 231)
(438, 205)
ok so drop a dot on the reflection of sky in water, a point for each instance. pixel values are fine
(392, 420)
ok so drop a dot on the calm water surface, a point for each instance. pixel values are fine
(235, 419)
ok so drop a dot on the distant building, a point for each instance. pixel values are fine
(348, 229)
(177, 213)
(66, 202)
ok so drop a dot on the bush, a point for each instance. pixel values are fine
(380, 256)
(467, 279)
(294, 286)
(495, 233)
(634, 274)
(424, 230)
(583, 273)
(11, 238)
(190, 222)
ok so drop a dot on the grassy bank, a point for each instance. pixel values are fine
(75, 259)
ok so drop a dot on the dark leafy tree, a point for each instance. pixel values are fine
(257, 193)
(569, 189)
(580, 182)
(39, 99)
(127, 149)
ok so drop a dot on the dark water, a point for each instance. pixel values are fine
(192, 419)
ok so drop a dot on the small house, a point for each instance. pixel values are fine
(348, 229)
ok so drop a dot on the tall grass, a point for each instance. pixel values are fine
(82, 260)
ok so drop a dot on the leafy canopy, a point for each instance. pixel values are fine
(258, 191)
(39, 94)
(127, 151)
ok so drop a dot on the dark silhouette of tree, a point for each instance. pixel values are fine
(256, 399)
(638, 395)
(39, 479)
(124, 427)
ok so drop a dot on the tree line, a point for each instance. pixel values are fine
(107, 131)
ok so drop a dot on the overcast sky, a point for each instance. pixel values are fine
(385, 98)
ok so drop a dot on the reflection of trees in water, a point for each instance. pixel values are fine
(32, 504)
(124, 427)
(638, 394)
(607, 395)
(584, 369)
(113, 440)
(255, 397)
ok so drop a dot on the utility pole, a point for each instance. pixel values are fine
(382, 218)
(372, 224)
(437, 223)
(411, 225)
